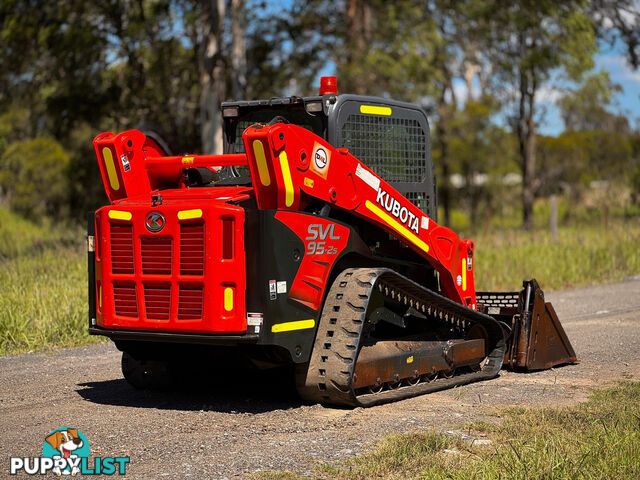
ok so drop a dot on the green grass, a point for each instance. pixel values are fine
(43, 300)
(590, 249)
(583, 255)
(43, 286)
(599, 439)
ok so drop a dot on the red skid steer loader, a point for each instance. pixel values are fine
(312, 241)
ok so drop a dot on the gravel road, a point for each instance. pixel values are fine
(218, 431)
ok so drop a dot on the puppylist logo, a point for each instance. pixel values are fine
(65, 451)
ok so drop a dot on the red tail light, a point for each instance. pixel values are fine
(227, 238)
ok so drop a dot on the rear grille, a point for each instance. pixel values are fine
(122, 249)
(192, 249)
(156, 255)
(157, 301)
(126, 300)
(190, 302)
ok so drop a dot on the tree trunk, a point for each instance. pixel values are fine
(212, 89)
(443, 143)
(527, 138)
(238, 50)
(553, 217)
(359, 32)
(529, 183)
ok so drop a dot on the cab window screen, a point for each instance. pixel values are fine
(394, 148)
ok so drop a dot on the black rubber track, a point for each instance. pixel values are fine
(328, 378)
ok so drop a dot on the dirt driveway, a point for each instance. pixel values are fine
(231, 430)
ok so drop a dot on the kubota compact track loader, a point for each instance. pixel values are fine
(312, 241)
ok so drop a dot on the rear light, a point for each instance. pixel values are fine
(230, 112)
(227, 238)
(313, 107)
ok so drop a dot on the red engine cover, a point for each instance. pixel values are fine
(171, 267)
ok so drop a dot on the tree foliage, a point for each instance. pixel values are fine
(71, 69)
(34, 178)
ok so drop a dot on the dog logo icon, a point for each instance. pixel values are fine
(67, 447)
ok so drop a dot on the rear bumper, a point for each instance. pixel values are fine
(170, 337)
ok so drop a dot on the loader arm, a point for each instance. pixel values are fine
(290, 166)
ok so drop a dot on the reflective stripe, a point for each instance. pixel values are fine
(397, 226)
(290, 326)
(228, 299)
(286, 175)
(111, 168)
(119, 215)
(261, 160)
(375, 110)
(464, 274)
(188, 214)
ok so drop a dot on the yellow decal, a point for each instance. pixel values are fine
(261, 160)
(189, 214)
(119, 215)
(187, 160)
(111, 168)
(410, 359)
(228, 299)
(290, 326)
(464, 274)
(286, 176)
(397, 226)
(100, 297)
(308, 182)
(375, 110)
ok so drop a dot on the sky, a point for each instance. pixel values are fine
(627, 102)
(609, 58)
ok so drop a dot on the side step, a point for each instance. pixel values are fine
(537, 340)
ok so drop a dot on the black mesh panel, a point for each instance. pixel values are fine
(394, 148)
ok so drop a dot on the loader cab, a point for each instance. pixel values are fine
(390, 137)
